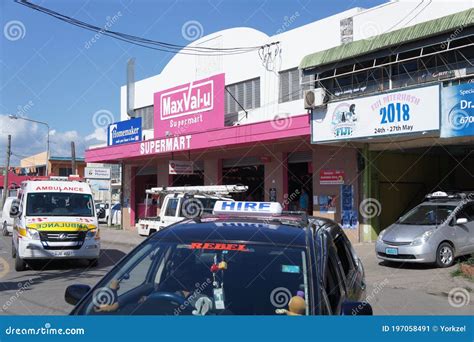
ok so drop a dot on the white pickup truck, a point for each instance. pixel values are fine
(180, 203)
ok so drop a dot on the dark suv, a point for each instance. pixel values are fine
(233, 266)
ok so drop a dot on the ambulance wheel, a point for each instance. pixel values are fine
(20, 264)
(94, 262)
(4, 229)
(13, 250)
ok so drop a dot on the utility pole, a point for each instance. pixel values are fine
(73, 158)
(5, 179)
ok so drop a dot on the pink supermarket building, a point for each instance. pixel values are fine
(242, 118)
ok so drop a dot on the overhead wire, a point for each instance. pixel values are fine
(144, 42)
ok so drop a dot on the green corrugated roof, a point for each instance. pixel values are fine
(385, 40)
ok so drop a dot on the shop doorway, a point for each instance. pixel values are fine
(404, 178)
(245, 171)
(299, 179)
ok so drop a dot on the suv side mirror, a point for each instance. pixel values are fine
(15, 209)
(74, 293)
(350, 308)
(461, 220)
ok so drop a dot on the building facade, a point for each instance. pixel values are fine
(241, 119)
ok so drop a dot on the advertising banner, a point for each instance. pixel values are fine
(401, 112)
(191, 107)
(457, 111)
(124, 132)
(331, 177)
(181, 167)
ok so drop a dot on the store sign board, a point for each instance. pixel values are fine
(331, 177)
(457, 111)
(181, 167)
(124, 132)
(191, 107)
(97, 173)
(408, 111)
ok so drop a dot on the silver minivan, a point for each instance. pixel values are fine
(436, 231)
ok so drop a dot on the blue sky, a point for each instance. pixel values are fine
(48, 73)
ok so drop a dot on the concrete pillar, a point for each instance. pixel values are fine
(275, 174)
(212, 171)
(164, 178)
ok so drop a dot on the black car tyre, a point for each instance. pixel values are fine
(4, 229)
(445, 255)
(20, 264)
(13, 250)
(94, 262)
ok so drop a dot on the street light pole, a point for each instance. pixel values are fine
(16, 117)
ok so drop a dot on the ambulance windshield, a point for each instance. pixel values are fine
(59, 204)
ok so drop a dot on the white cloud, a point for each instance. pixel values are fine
(29, 138)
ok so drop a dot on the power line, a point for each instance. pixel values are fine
(144, 42)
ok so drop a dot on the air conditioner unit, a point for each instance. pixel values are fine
(314, 98)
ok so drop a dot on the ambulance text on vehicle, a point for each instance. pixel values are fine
(54, 219)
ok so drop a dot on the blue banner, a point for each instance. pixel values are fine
(242, 329)
(124, 132)
(457, 111)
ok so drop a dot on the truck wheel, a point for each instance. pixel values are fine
(20, 264)
(13, 250)
(4, 229)
(445, 255)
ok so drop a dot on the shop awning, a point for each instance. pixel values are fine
(453, 22)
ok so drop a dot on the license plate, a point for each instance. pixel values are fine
(391, 251)
(62, 253)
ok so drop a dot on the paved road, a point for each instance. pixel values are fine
(392, 290)
(40, 291)
(412, 289)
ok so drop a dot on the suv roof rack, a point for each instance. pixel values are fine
(195, 190)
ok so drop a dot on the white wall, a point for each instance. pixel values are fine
(294, 45)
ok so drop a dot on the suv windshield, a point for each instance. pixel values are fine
(427, 215)
(201, 279)
(59, 204)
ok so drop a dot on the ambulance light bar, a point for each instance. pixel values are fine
(247, 208)
(206, 189)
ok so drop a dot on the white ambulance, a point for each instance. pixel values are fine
(54, 218)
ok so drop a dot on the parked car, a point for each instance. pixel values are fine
(6, 220)
(436, 231)
(248, 258)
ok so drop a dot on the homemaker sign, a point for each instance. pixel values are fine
(408, 111)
